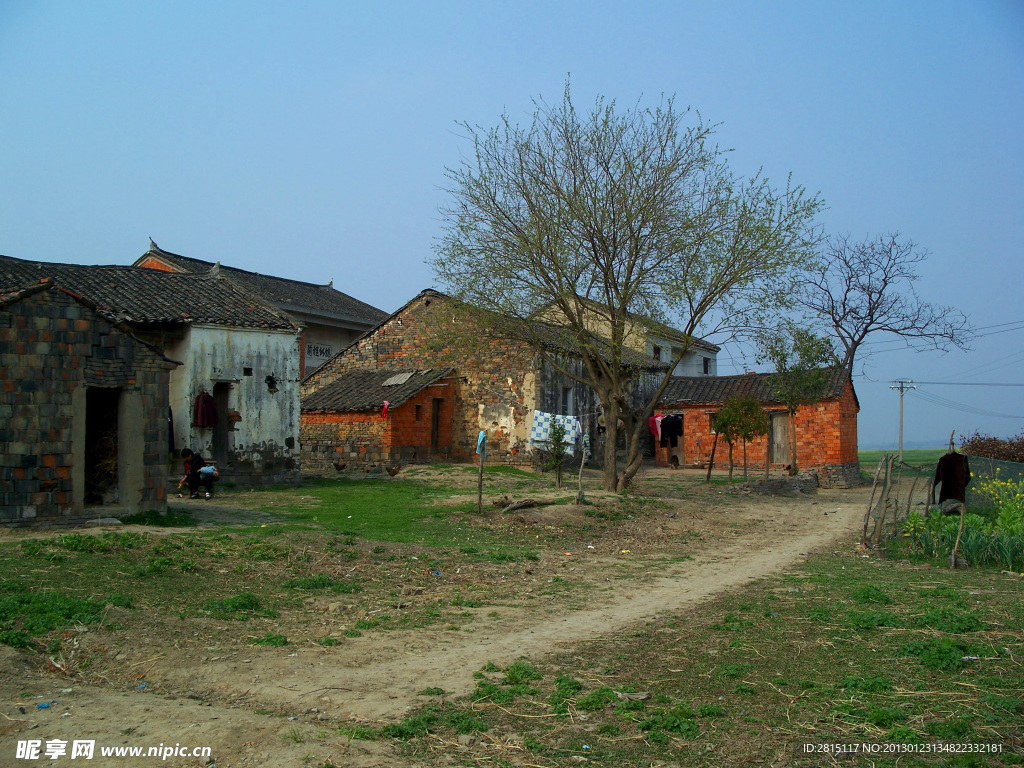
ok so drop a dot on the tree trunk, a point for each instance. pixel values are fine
(610, 481)
(745, 460)
(792, 442)
(730, 462)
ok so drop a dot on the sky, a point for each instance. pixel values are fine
(309, 140)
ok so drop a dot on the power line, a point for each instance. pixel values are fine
(953, 405)
(971, 383)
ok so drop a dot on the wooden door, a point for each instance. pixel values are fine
(778, 445)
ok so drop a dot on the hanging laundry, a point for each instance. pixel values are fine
(481, 444)
(204, 414)
(652, 424)
(954, 473)
(384, 410)
(671, 430)
(540, 430)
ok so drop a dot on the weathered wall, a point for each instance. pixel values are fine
(321, 342)
(826, 437)
(364, 440)
(495, 391)
(52, 351)
(260, 368)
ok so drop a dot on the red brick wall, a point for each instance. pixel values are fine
(826, 434)
(488, 392)
(365, 439)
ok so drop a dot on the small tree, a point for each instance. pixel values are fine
(741, 418)
(556, 456)
(726, 425)
(801, 374)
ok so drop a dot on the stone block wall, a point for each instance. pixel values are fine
(52, 348)
(495, 391)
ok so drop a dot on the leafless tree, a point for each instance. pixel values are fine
(864, 288)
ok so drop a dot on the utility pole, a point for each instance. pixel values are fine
(902, 385)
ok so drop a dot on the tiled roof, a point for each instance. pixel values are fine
(287, 294)
(554, 337)
(144, 296)
(714, 390)
(560, 338)
(367, 390)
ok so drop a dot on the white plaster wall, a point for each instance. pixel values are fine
(269, 421)
(692, 363)
(323, 342)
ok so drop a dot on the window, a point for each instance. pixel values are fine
(656, 353)
(567, 401)
(419, 412)
(707, 366)
(711, 419)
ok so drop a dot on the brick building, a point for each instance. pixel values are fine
(495, 385)
(345, 422)
(826, 431)
(83, 412)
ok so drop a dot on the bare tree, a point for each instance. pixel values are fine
(609, 220)
(865, 288)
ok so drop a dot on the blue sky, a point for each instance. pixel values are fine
(309, 140)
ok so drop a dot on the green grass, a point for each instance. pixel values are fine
(407, 512)
(866, 651)
(916, 457)
(26, 614)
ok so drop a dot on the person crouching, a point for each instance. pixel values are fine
(197, 472)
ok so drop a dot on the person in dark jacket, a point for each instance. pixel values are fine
(197, 472)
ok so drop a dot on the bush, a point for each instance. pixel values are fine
(1011, 449)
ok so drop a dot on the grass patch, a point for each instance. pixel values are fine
(876, 651)
(166, 520)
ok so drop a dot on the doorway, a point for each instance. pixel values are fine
(435, 420)
(219, 444)
(101, 445)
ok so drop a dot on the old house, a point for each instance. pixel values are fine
(651, 338)
(494, 388)
(83, 411)
(826, 431)
(235, 396)
(330, 320)
(384, 416)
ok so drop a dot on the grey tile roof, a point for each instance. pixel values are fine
(293, 295)
(145, 296)
(367, 390)
(554, 337)
(714, 390)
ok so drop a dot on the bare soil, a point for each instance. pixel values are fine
(199, 682)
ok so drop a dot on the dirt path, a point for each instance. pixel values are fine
(379, 677)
